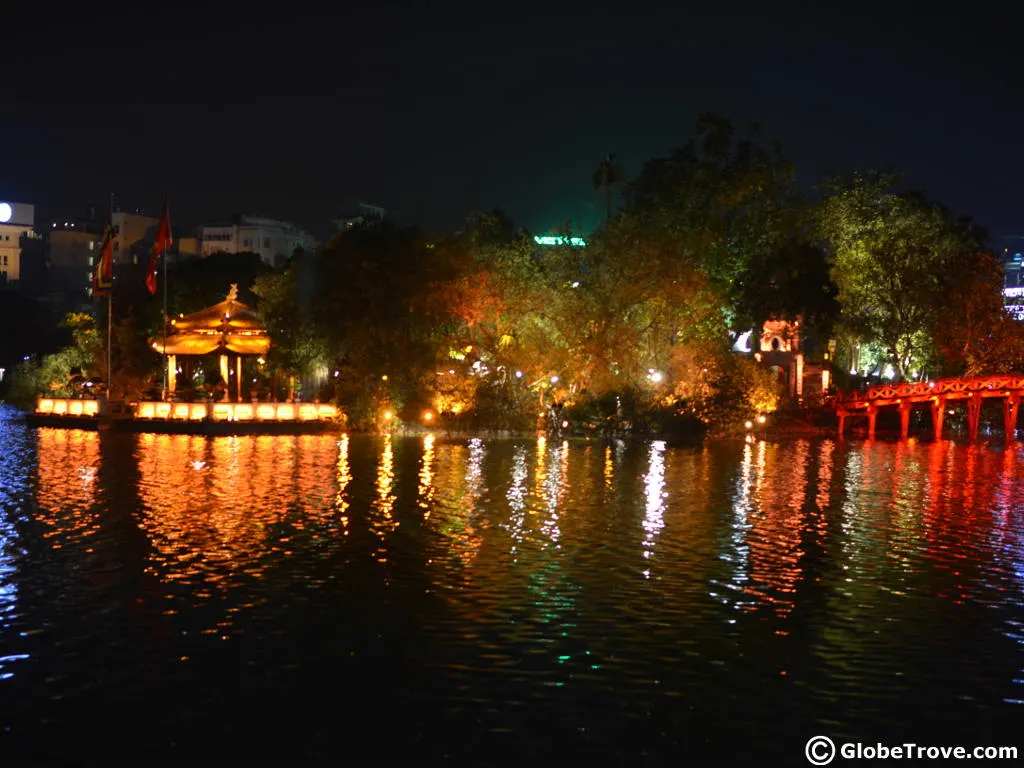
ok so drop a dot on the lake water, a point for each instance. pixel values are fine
(330, 599)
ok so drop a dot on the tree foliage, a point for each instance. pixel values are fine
(893, 253)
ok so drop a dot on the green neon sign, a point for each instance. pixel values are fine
(579, 242)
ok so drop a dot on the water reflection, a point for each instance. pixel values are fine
(15, 460)
(517, 496)
(382, 519)
(883, 579)
(425, 492)
(655, 495)
(213, 507)
(68, 462)
(554, 480)
(341, 500)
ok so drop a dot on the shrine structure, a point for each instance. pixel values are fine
(230, 329)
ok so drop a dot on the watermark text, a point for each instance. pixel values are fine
(821, 750)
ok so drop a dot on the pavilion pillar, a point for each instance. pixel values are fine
(973, 416)
(1010, 405)
(872, 419)
(842, 421)
(172, 375)
(905, 406)
(938, 415)
(238, 378)
(225, 377)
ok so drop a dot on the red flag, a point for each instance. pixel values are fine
(161, 245)
(103, 273)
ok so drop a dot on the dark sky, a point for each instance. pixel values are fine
(438, 110)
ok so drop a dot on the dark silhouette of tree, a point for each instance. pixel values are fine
(608, 174)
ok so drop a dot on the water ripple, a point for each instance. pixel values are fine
(604, 595)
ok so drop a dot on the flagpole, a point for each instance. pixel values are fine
(165, 215)
(164, 356)
(110, 316)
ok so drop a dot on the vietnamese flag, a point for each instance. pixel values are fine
(161, 245)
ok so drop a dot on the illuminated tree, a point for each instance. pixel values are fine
(892, 254)
(723, 205)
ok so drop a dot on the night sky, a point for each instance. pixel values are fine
(437, 111)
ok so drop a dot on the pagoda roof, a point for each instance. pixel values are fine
(228, 326)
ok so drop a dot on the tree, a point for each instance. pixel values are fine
(62, 372)
(723, 204)
(891, 256)
(608, 174)
(979, 336)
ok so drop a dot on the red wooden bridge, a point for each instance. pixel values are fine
(938, 396)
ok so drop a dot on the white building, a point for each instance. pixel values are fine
(17, 220)
(274, 241)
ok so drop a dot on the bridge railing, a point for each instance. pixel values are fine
(953, 386)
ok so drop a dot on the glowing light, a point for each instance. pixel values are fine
(578, 242)
(519, 374)
(761, 419)
(554, 379)
(565, 424)
(748, 424)
(427, 416)
(655, 376)
(388, 415)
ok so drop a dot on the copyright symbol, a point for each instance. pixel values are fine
(820, 750)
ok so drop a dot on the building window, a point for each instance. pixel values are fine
(266, 242)
(247, 243)
(5, 259)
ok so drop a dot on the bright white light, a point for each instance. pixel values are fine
(519, 374)
(576, 284)
(742, 342)
(656, 376)
(554, 379)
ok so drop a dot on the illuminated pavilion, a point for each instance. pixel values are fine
(229, 329)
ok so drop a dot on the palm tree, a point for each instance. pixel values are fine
(608, 174)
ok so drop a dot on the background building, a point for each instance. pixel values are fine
(72, 244)
(17, 224)
(1012, 256)
(135, 234)
(274, 241)
(360, 214)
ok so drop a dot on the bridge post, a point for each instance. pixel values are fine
(1010, 405)
(938, 415)
(872, 418)
(904, 419)
(842, 421)
(973, 416)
